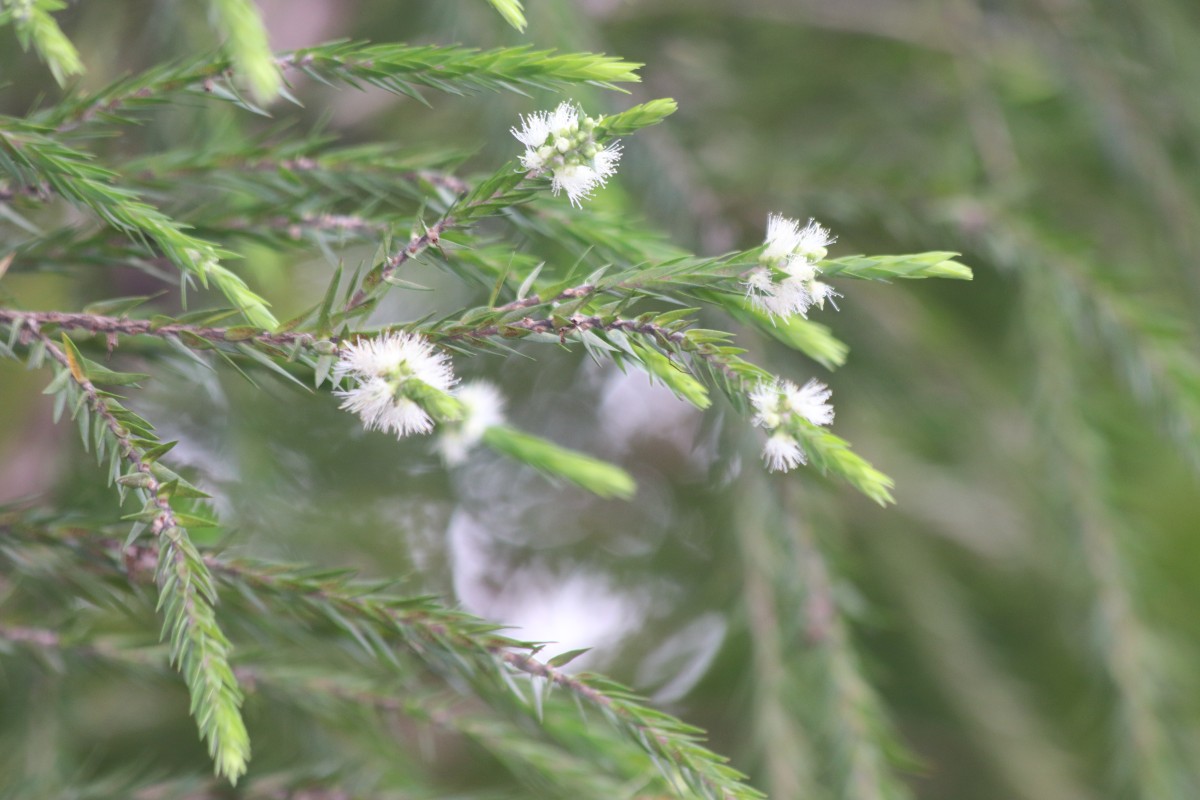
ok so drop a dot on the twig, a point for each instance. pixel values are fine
(100, 324)
(120, 326)
(199, 648)
(415, 246)
(39, 192)
(577, 323)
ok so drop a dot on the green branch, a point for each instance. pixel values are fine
(705, 350)
(249, 47)
(882, 268)
(36, 27)
(31, 157)
(187, 595)
(396, 68)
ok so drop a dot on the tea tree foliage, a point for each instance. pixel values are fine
(158, 592)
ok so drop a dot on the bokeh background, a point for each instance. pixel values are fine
(1027, 612)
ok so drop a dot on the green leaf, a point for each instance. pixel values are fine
(31, 156)
(562, 659)
(811, 338)
(36, 27)
(135, 532)
(666, 319)
(102, 375)
(58, 383)
(194, 520)
(830, 453)
(882, 268)
(74, 359)
(638, 117)
(149, 513)
(267, 362)
(200, 650)
(512, 13)
(598, 477)
(157, 450)
(322, 369)
(252, 56)
(323, 327)
(119, 306)
(673, 375)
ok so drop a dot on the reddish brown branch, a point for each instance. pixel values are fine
(100, 324)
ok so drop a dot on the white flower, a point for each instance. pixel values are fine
(380, 368)
(534, 129)
(782, 452)
(564, 120)
(758, 282)
(786, 283)
(783, 236)
(786, 241)
(563, 142)
(578, 180)
(377, 404)
(775, 401)
(810, 401)
(813, 241)
(790, 296)
(801, 270)
(777, 404)
(766, 399)
(483, 408)
(820, 292)
(605, 161)
(396, 355)
(783, 299)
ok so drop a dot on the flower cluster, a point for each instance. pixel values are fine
(777, 406)
(482, 408)
(399, 379)
(563, 143)
(785, 282)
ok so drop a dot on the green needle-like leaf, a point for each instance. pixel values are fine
(598, 477)
(512, 13)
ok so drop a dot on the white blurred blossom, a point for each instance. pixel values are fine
(768, 406)
(782, 452)
(778, 405)
(483, 408)
(810, 401)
